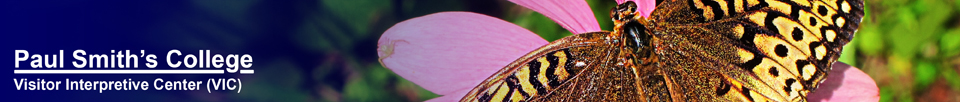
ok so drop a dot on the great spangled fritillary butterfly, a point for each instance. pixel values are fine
(688, 50)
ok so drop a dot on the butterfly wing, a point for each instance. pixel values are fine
(776, 50)
(713, 50)
(573, 68)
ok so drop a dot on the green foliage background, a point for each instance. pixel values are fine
(909, 47)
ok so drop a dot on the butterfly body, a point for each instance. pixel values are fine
(688, 50)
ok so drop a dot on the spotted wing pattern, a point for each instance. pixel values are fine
(781, 49)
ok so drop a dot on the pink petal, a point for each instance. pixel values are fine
(574, 15)
(454, 97)
(644, 7)
(449, 52)
(846, 84)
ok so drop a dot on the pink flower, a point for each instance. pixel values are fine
(449, 53)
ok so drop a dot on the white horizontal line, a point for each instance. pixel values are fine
(120, 71)
(246, 71)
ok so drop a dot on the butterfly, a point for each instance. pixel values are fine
(687, 50)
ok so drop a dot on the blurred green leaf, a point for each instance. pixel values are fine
(935, 16)
(378, 75)
(319, 36)
(887, 94)
(359, 13)
(601, 10)
(417, 8)
(904, 97)
(925, 73)
(899, 65)
(371, 85)
(892, 3)
(956, 4)
(906, 34)
(849, 55)
(359, 90)
(950, 43)
(952, 77)
(869, 40)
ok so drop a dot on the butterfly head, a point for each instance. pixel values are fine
(630, 27)
(624, 12)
